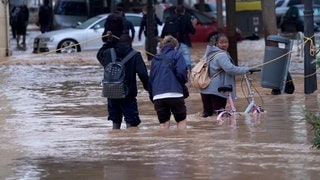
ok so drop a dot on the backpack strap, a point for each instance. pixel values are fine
(215, 55)
(208, 63)
(113, 54)
(125, 59)
(128, 56)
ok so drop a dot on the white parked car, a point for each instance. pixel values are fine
(86, 36)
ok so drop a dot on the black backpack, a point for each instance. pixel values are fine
(113, 83)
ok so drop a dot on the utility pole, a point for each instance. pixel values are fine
(220, 20)
(231, 30)
(310, 81)
(151, 39)
(269, 21)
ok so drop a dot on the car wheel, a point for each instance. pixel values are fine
(68, 46)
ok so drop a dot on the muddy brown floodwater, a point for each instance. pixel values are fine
(53, 125)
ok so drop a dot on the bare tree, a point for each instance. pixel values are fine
(220, 22)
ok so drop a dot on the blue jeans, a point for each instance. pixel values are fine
(185, 50)
(127, 107)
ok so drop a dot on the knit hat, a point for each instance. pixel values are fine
(170, 41)
(114, 23)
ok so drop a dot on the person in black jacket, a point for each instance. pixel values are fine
(186, 26)
(170, 27)
(21, 25)
(113, 28)
(128, 26)
(143, 29)
(45, 17)
(128, 106)
(13, 20)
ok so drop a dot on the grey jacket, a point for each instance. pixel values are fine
(223, 62)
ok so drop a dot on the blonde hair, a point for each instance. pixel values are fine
(170, 41)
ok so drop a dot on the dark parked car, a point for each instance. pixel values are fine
(282, 6)
(293, 19)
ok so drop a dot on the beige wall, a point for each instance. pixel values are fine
(4, 29)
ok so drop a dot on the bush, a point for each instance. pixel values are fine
(314, 120)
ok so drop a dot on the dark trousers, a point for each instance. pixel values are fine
(127, 107)
(289, 87)
(13, 31)
(211, 103)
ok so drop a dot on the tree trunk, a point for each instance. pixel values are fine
(220, 21)
(231, 29)
(151, 43)
(269, 20)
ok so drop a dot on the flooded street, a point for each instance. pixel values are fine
(53, 125)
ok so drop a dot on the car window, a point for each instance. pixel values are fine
(300, 12)
(207, 7)
(101, 23)
(316, 11)
(294, 2)
(169, 12)
(135, 20)
(202, 18)
(71, 8)
(211, 7)
(89, 22)
(294, 12)
(279, 3)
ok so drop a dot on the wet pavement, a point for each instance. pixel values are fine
(53, 125)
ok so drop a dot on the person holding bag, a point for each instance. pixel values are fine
(168, 74)
(212, 99)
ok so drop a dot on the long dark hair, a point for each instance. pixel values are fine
(215, 38)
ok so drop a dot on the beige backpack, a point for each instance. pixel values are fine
(199, 75)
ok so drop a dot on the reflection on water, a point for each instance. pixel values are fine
(54, 119)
